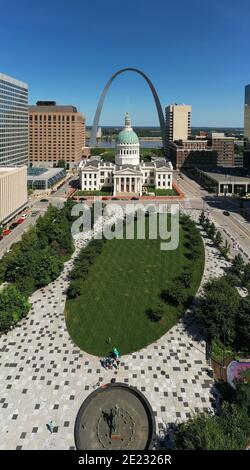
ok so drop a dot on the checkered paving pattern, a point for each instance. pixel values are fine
(44, 376)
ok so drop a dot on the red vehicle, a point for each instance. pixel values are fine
(6, 231)
(21, 220)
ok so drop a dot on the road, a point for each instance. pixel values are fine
(234, 227)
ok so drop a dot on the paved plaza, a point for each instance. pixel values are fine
(44, 376)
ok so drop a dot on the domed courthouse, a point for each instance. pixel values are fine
(127, 176)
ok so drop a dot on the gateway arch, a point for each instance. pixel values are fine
(103, 95)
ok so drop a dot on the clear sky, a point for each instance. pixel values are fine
(194, 52)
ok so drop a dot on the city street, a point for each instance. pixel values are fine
(233, 227)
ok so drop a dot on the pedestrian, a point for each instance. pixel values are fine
(51, 426)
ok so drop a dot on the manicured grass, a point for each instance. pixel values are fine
(93, 193)
(162, 192)
(125, 280)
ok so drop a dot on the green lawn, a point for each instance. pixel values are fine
(124, 281)
(162, 192)
(93, 193)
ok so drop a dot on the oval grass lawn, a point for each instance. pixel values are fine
(125, 281)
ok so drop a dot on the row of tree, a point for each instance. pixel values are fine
(214, 234)
(34, 262)
(176, 292)
(82, 266)
(225, 317)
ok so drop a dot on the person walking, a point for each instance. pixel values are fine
(51, 426)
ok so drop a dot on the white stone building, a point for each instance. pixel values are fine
(127, 175)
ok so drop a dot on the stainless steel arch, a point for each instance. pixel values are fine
(102, 98)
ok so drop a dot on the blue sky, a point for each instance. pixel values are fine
(194, 52)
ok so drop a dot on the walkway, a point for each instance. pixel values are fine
(44, 377)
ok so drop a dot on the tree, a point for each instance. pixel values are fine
(61, 164)
(243, 326)
(49, 268)
(218, 238)
(246, 274)
(218, 308)
(211, 230)
(206, 223)
(13, 307)
(238, 264)
(202, 218)
(208, 432)
(225, 249)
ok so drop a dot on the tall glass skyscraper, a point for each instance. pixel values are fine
(13, 122)
(247, 113)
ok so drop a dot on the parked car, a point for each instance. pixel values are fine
(20, 221)
(44, 200)
(134, 198)
(14, 225)
(6, 231)
(226, 213)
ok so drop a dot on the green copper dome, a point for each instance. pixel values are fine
(127, 137)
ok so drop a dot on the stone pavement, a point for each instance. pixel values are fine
(44, 376)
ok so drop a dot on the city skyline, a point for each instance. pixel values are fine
(66, 52)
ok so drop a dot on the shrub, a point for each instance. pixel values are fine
(155, 314)
(75, 289)
(174, 294)
(186, 279)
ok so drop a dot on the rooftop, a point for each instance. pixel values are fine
(43, 173)
(227, 177)
(5, 170)
(13, 81)
(52, 108)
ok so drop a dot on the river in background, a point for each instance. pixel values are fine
(152, 144)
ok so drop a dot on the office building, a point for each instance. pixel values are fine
(247, 127)
(191, 153)
(224, 146)
(13, 122)
(13, 192)
(247, 113)
(56, 133)
(178, 122)
(225, 184)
